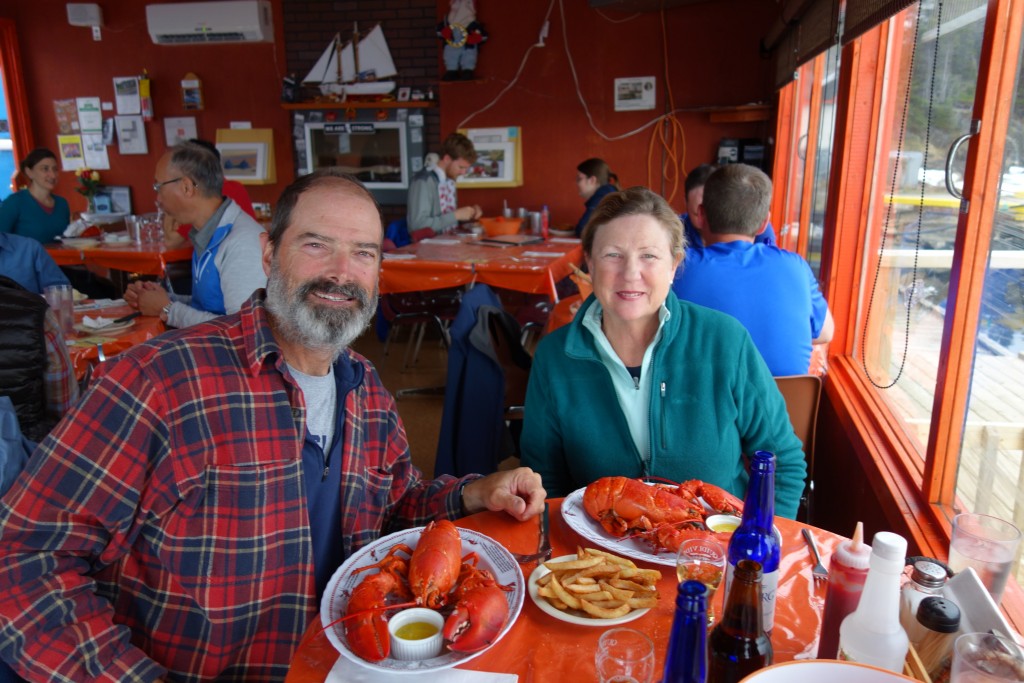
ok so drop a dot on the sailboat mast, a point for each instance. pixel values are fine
(355, 48)
(337, 55)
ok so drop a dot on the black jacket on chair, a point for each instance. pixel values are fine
(23, 356)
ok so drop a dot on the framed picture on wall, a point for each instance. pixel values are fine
(404, 94)
(114, 199)
(495, 163)
(243, 161)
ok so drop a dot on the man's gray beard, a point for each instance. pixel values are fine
(315, 326)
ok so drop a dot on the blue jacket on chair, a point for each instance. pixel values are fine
(474, 437)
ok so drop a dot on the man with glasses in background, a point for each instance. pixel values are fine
(226, 241)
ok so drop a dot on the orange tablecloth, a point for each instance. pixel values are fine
(82, 345)
(438, 266)
(541, 648)
(147, 259)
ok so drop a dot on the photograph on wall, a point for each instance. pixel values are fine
(66, 112)
(95, 152)
(179, 129)
(131, 135)
(191, 93)
(118, 199)
(495, 162)
(634, 93)
(72, 157)
(126, 95)
(243, 160)
(90, 119)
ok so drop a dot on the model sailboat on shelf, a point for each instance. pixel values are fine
(356, 67)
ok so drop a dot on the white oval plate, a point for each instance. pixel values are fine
(574, 616)
(106, 329)
(493, 557)
(80, 242)
(633, 548)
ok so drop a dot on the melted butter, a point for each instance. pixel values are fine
(728, 525)
(416, 630)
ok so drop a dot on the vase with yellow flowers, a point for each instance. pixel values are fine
(88, 186)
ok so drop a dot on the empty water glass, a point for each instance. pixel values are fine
(61, 299)
(624, 656)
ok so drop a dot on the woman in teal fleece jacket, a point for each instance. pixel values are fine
(642, 384)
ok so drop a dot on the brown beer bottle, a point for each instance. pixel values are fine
(738, 645)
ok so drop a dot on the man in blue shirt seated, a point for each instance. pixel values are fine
(24, 260)
(771, 291)
(692, 223)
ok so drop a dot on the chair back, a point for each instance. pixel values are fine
(803, 394)
(398, 232)
(515, 362)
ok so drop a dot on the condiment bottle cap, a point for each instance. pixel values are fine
(854, 553)
(938, 614)
(888, 550)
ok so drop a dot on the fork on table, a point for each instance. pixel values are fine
(819, 572)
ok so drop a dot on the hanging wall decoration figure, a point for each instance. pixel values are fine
(462, 35)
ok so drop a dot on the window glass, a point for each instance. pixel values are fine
(788, 229)
(823, 160)
(932, 69)
(7, 163)
(989, 471)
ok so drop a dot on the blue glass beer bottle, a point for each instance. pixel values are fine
(755, 539)
(686, 661)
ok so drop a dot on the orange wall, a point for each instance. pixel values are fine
(712, 56)
(240, 82)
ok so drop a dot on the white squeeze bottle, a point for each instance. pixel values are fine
(872, 634)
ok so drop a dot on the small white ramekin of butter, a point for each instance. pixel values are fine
(726, 524)
(416, 634)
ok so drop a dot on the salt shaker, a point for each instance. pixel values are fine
(927, 579)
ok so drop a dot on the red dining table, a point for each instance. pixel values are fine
(455, 260)
(145, 259)
(539, 647)
(83, 345)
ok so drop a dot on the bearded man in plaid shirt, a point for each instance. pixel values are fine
(182, 522)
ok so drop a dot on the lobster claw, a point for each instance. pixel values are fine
(477, 619)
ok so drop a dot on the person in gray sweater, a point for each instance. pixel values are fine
(227, 256)
(433, 202)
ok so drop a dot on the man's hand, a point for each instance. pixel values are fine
(518, 492)
(466, 213)
(151, 299)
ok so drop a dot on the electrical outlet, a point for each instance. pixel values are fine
(96, 35)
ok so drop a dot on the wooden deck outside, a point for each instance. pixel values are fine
(990, 477)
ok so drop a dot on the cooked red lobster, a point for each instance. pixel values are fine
(435, 576)
(663, 514)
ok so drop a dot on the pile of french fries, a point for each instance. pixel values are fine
(599, 585)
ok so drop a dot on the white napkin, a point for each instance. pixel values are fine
(439, 240)
(347, 671)
(543, 254)
(388, 256)
(566, 240)
(75, 228)
(116, 237)
(90, 323)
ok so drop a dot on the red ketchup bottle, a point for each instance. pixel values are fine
(847, 571)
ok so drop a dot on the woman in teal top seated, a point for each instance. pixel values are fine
(35, 211)
(642, 384)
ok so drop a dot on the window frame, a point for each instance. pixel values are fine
(922, 490)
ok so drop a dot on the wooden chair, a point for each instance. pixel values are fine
(802, 394)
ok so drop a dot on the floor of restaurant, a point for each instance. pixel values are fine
(421, 414)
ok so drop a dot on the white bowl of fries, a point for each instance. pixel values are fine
(594, 588)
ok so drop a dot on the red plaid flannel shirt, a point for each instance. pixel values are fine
(164, 526)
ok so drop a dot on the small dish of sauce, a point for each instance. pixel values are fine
(416, 634)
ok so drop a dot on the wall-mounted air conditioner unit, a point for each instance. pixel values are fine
(230, 21)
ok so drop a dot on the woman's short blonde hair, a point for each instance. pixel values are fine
(635, 201)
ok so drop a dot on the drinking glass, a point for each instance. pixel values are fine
(985, 658)
(624, 656)
(702, 559)
(60, 298)
(988, 544)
